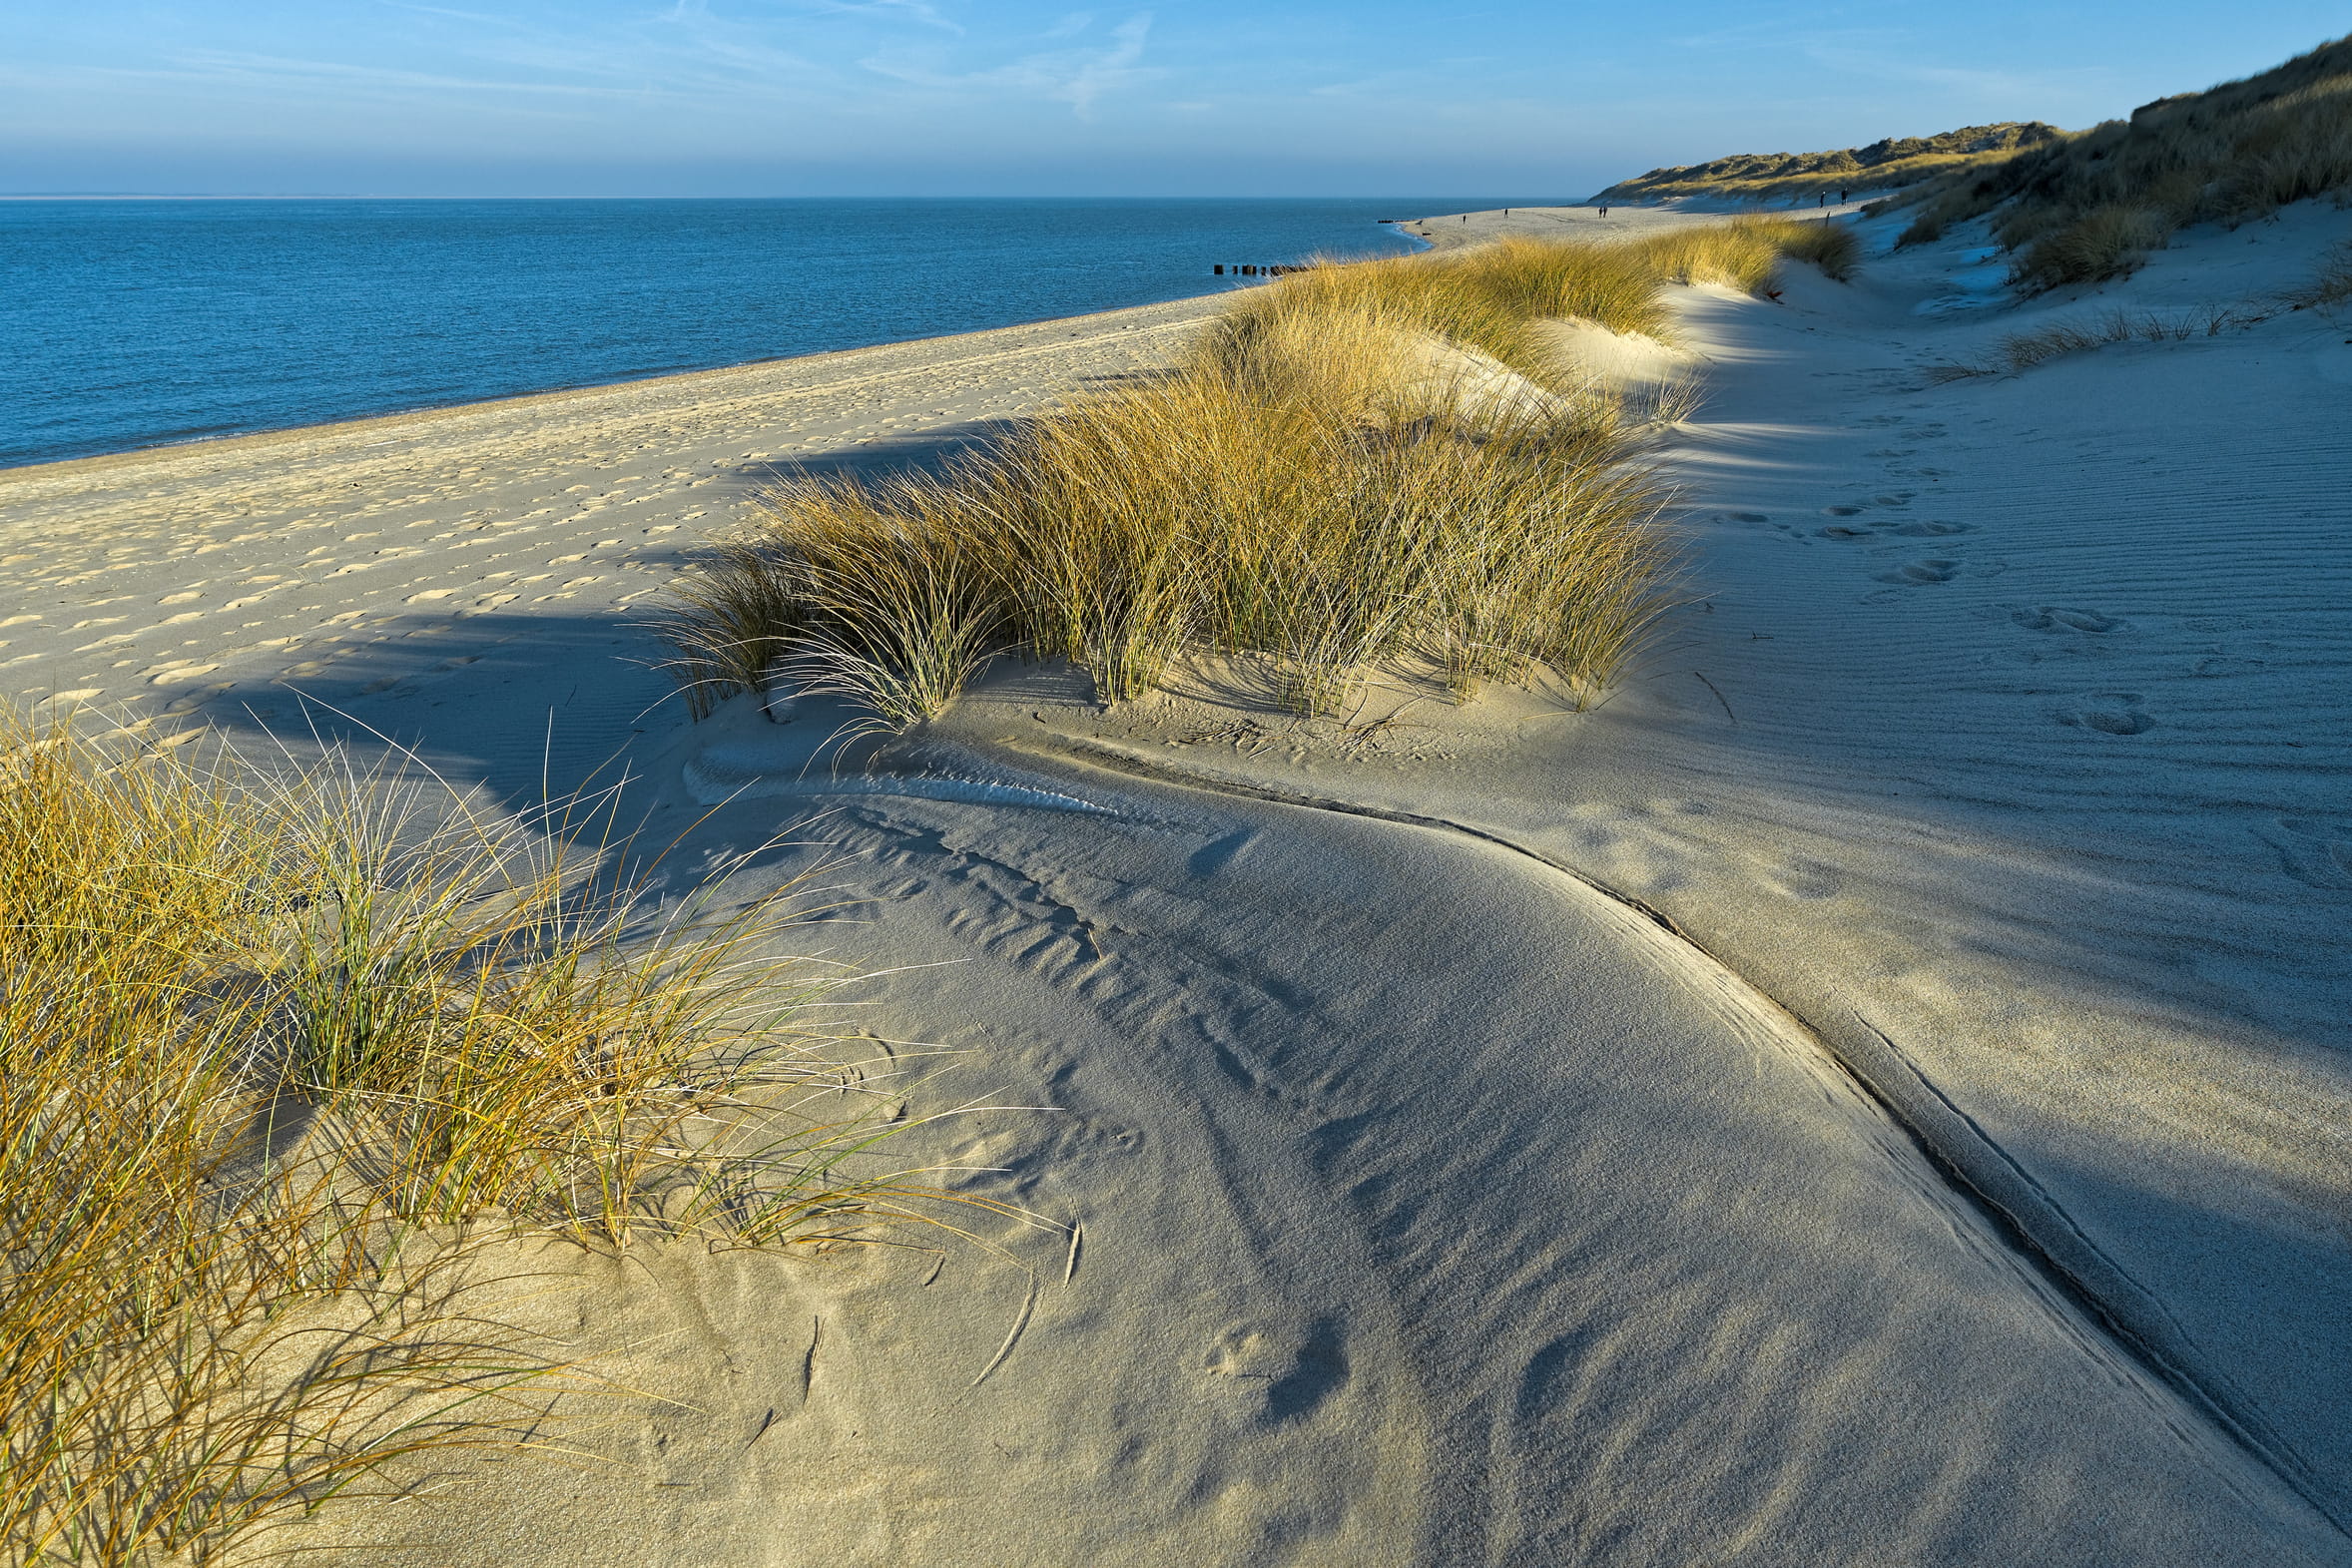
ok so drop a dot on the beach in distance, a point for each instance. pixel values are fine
(224, 317)
(1697, 918)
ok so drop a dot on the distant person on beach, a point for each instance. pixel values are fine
(1604, 211)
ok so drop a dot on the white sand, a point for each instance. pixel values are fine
(430, 572)
(1591, 222)
(1438, 1205)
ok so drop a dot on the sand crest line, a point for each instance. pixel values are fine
(717, 784)
(2018, 1209)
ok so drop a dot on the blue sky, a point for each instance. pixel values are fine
(1002, 97)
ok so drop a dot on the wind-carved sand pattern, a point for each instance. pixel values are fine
(2047, 680)
(717, 778)
(1852, 1107)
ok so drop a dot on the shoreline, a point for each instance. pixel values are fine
(1425, 233)
(526, 519)
(245, 440)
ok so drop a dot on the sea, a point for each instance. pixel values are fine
(135, 323)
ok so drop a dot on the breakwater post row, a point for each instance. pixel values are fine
(1283, 270)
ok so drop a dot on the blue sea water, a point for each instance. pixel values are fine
(133, 323)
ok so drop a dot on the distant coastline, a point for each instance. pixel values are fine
(273, 314)
(689, 386)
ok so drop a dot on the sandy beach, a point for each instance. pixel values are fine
(364, 563)
(1589, 222)
(1871, 1090)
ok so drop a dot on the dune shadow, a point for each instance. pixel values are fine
(915, 451)
(528, 706)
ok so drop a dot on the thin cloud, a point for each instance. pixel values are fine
(1077, 77)
(482, 17)
(226, 66)
(912, 10)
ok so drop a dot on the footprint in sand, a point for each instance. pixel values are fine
(1843, 511)
(197, 699)
(1917, 572)
(1800, 878)
(2108, 712)
(1843, 531)
(2316, 854)
(1279, 1374)
(1936, 530)
(2060, 617)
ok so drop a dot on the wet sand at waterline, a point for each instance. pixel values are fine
(1868, 1091)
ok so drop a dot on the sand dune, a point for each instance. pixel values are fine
(1870, 1092)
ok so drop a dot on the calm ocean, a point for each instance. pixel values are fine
(133, 323)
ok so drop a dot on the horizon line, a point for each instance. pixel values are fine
(360, 196)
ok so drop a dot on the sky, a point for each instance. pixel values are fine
(1009, 98)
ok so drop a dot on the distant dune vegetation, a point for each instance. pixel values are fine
(1882, 166)
(2082, 206)
(2091, 204)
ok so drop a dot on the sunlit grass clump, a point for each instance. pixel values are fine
(280, 1058)
(1380, 461)
(1882, 166)
(1323, 531)
(1497, 297)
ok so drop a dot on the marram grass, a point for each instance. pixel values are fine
(1358, 463)
(2330, 284)
(2018, 352)
(283, 1059)
(2091, 204)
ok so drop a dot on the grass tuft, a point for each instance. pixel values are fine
(2110, 240)
(1356, 464)
(281, 1057)
(2330, 284)
(2022, 351)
